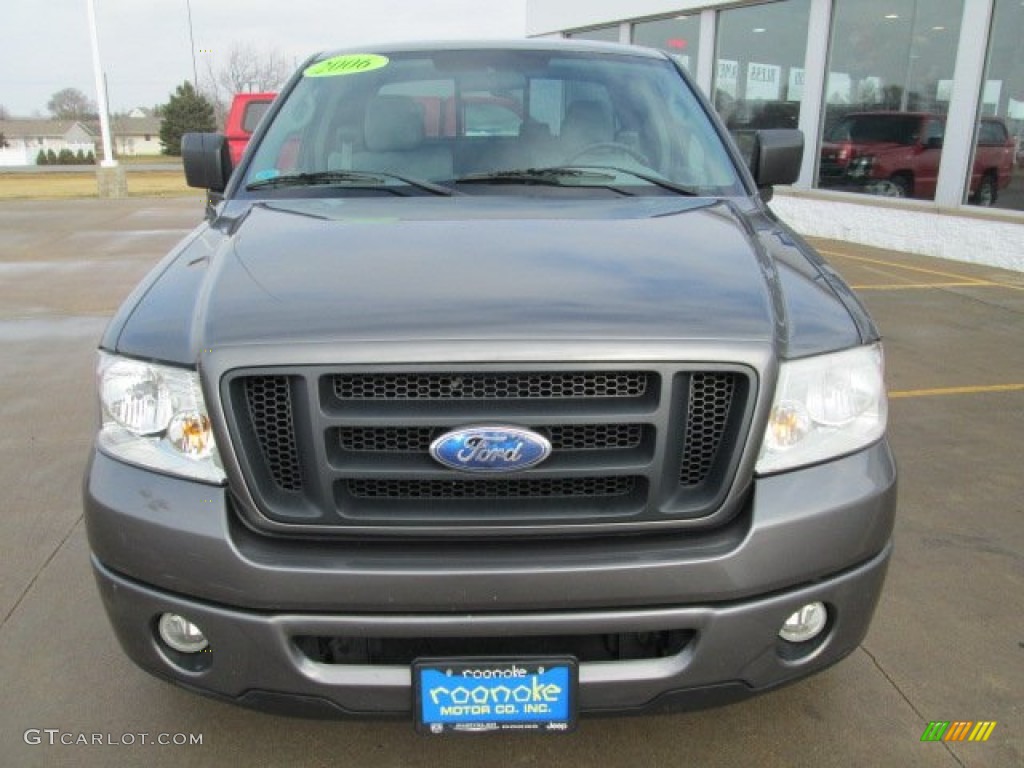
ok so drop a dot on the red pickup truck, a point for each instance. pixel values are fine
(247, 109)
(897, 154)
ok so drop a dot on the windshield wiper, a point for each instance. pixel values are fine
(559, 175)
(657, 181)
(554, 176)
(326, 178)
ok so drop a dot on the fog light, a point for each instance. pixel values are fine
(805, 624)
(181, 634)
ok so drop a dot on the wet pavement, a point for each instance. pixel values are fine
(947, 642)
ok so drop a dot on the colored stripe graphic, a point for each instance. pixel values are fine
(982, 731)
(958, 730)
(935, 731)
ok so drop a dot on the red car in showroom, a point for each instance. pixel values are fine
(896, 154)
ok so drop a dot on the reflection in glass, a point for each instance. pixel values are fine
(604, 34)
(997, 170)
(759, 75)
(887, 91)
(678, 36)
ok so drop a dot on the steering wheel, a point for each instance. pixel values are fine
(608, 147)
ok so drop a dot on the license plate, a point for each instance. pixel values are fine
(482, 695)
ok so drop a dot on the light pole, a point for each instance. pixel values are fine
(101, 92)
(192, 41)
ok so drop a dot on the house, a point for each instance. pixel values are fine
(135, 135)
(25, 138)
(131, 135)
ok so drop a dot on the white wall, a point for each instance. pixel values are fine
(972, 238)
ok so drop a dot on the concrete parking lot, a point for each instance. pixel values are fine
(947, 642)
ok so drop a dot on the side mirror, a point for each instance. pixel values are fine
(935, 142)
(206, 159)
(776, 156)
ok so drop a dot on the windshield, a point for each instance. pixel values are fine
(364, 124)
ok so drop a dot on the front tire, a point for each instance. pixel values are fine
(987, 191)
(901, 185)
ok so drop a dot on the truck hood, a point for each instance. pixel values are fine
(481, 269)
(470, 269)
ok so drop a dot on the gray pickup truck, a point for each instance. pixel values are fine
(490, 392)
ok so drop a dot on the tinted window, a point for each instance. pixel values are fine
(679, 37)
(603, 34)
(992, 133)
(1001, 103)
(254, 112)
(759, 74)
(894, 129)
(889, 58)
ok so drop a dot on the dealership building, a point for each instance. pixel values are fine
(912, 110)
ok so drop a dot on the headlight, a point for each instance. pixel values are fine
(860, 166)
(154, 416)
(825, 407)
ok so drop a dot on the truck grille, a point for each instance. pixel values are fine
(349, 450)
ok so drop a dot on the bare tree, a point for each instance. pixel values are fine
(4, 114)
(71, 104)
(246, 69)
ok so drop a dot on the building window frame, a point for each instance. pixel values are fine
(953, 179)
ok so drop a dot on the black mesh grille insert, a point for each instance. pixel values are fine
(396, 650)
(269, 402)
(574, 437)
(711, 396)
(531, 488)
(496, 386)
(593, 437)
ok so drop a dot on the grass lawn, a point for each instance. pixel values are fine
(130, 160)
(43, 186)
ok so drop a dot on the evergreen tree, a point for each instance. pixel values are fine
(51, 157)
(79, 157)
(65, 157)
(90, 158)
(41, 158)
(185, 111)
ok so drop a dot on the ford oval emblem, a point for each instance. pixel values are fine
(490, 449)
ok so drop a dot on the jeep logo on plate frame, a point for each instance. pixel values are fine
(490, 449)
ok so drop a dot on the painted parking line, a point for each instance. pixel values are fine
(959, 281)
(906, 286)
(906, 267)
(956, 391)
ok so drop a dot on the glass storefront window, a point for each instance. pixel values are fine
(887, 91)
(997, 170)
(678, 36)
(759, 60)
(605, 34)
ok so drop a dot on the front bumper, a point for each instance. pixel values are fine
(736, 653)
(162, 544)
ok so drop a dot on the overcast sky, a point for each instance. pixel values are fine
(144, 44)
